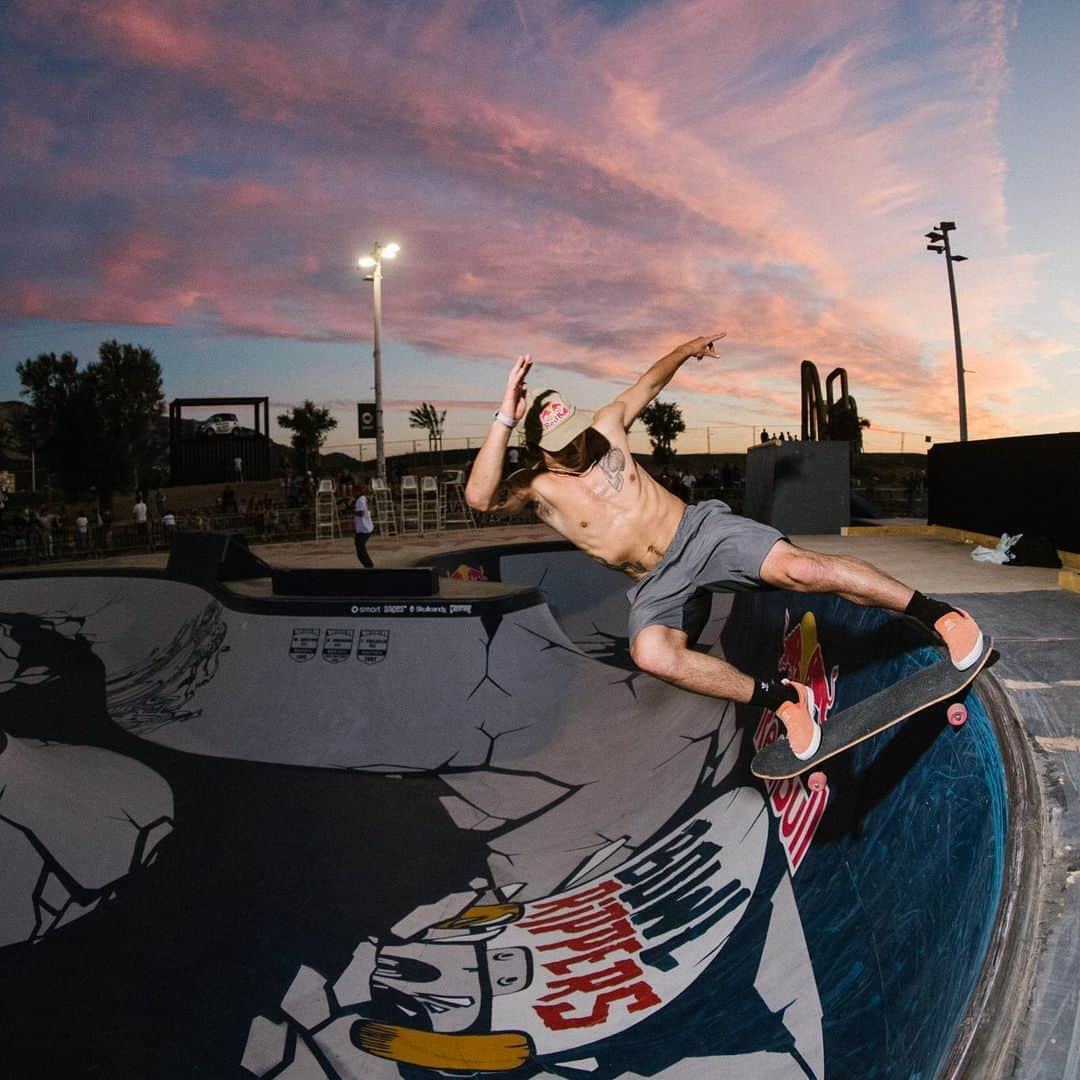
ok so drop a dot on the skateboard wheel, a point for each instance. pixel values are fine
(957, 713)
(817, 781)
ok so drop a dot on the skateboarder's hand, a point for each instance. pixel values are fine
(513, 402)
(704, 346)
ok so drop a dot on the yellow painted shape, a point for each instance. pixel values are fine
(500, 1051)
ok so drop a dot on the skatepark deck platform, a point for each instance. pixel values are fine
(388, 837)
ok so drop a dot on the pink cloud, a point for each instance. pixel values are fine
(560, 184)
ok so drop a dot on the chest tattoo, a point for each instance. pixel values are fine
(613, 464)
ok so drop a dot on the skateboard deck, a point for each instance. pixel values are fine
(872, 715)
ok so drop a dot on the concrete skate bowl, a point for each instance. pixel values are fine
(388, 837)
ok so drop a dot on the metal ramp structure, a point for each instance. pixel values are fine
(327, 524)
(411, 520)
(382, 509)
(455, 510)
(430, 508)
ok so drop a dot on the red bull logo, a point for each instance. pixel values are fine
(798, 810)
(553, 414)
(465, 572)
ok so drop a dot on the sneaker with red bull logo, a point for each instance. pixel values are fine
(800, 719)
(962, 637)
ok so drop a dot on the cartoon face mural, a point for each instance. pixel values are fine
(503, 984)
(528, 974)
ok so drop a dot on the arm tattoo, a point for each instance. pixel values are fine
(613, 463)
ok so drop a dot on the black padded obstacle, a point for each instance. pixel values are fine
(799, 487)
(205, 558)
(412, 581)
(1028, 484)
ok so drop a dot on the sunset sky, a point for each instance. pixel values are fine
(591, 182)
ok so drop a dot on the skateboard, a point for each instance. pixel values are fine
(929, 686)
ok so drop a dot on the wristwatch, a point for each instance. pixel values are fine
(505, 420)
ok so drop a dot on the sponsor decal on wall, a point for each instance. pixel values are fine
(337, 645)
(304, 644)
(372, 646)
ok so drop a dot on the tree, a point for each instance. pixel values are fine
(430, 420)
(310, 425)
(93, 425)
(664, 423)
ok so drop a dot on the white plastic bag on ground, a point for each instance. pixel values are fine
(999, 554)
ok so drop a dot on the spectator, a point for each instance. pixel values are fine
(140, 512)
(168, 527)
(764, 436)
(43, 532)
(363, 526)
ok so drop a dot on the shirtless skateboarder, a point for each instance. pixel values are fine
(587, 486)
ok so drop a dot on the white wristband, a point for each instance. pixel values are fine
(505, 420)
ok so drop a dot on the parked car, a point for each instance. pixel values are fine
(222, 423)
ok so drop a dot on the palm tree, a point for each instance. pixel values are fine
(430, 420)
(309, 424)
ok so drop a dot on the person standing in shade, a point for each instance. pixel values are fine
(363, 526)
(82, 534)
(140, 512)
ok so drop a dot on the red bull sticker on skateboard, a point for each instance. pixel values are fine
(798, 810)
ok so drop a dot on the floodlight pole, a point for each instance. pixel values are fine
(940, 236)
(380, 448)
(374, 263)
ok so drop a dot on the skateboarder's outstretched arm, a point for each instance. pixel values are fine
(634, 400)
(485, 490)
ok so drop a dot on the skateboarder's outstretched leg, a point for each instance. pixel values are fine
(664, 652)
(790, 567)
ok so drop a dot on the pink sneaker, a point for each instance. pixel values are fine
(800, 720)
(962, 638)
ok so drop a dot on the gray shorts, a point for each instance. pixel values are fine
(713, 550)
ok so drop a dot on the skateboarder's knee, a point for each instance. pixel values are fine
(657, 650)
(793, 568)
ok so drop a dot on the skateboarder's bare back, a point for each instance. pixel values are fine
(588, 487)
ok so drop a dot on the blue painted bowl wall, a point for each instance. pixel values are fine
(899, 891)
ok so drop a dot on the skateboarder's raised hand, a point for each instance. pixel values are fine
(513, 402)
(634, 400)
(701, 347)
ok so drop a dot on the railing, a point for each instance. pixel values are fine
(33, 545)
